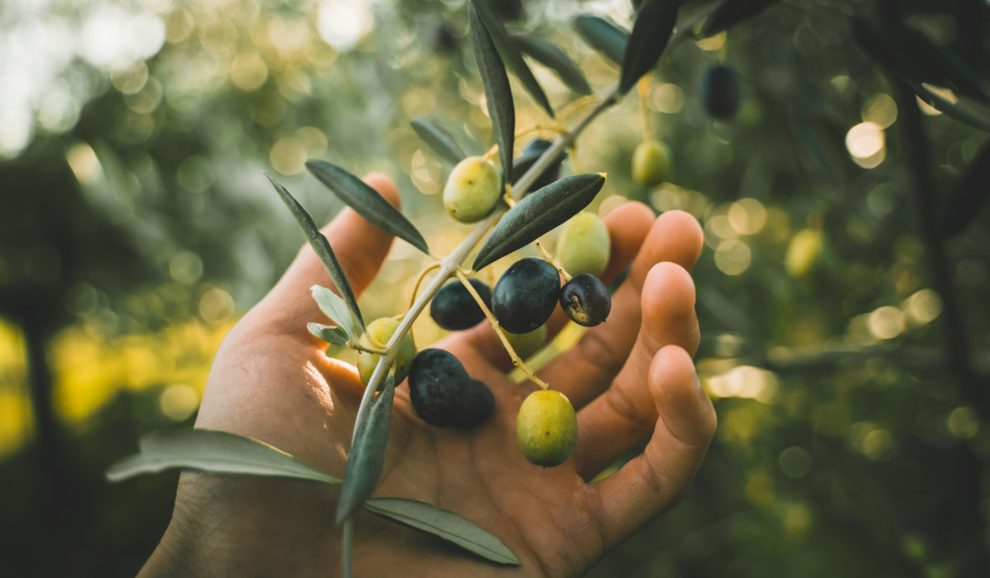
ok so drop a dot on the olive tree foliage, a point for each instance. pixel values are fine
(868, 442)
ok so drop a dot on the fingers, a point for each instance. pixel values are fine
(586, 370)
(359, 246)
(628, 225)
(654, 480)
(624, 414)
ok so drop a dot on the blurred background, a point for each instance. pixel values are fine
(844, 290)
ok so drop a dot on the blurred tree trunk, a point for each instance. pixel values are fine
(55, 495)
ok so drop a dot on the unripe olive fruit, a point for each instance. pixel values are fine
(376, 335)
(454, 309)
(650, 163)
(546, 428)
(472, 190)
(526, 344)
(803, 252)
(444, 395)
(584, 245)
(586, 300)
(525, 295)
(720, 92)
(530, 154)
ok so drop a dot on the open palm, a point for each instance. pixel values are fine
(630, 379)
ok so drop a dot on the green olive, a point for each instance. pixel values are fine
(472, 190)
(546, 428)
(526, 344)
(650, 163)
(803, 252)
(584, 245)
(376, 336)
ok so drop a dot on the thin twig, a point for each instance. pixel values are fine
(497, 328)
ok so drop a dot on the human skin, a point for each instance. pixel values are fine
(630, 379)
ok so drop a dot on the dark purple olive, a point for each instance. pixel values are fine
(454, 309)
(586, 300)
(444, 395)
(525, 295)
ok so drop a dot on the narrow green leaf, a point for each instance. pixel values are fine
(732, 12)
(438, 139)
(554, 58)
(364, 465)
(538, 213)
(322, 248)
(510, 53)
(336, 309)
(213, 451)
(969, 196)
(332, 335)
(602, 35)
(886, 52)
(444, 524)
(650, 34)
(498, 94)
(367, 202)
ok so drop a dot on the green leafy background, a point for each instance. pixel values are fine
(137, 225)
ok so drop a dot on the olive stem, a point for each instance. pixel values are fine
(497, 328)
(419, 282)
(643, 89)
(359, 347)
(549, 258)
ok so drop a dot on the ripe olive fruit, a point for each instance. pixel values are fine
(472, 190)
(526, 344)
(650, 163)
(546, 428)
(454, 309)
(586, 300)
(525, 295)
(530, 153)
(444, 395)
(720, 92)
(584, 245)
(376, 335)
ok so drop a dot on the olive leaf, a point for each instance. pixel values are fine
(602, 35)
(732, 12)
(444, 524)
(969, 196)
(498, 93)
(441, 141)
(650, 34)
(332, 335)
(554, 58)
(367, 202)
(884, 49)
(538, 213)
(323, 250)
(364, 465)
(212, 451)
(509, 52)
(336, 309)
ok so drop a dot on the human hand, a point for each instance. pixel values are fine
(629, 379)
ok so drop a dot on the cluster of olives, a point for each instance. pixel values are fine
(442, 392)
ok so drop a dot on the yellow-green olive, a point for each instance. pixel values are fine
(650, 163)
(546, 428)
(376, 336)
(803, 252)
(584, 245)
(472, 190)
